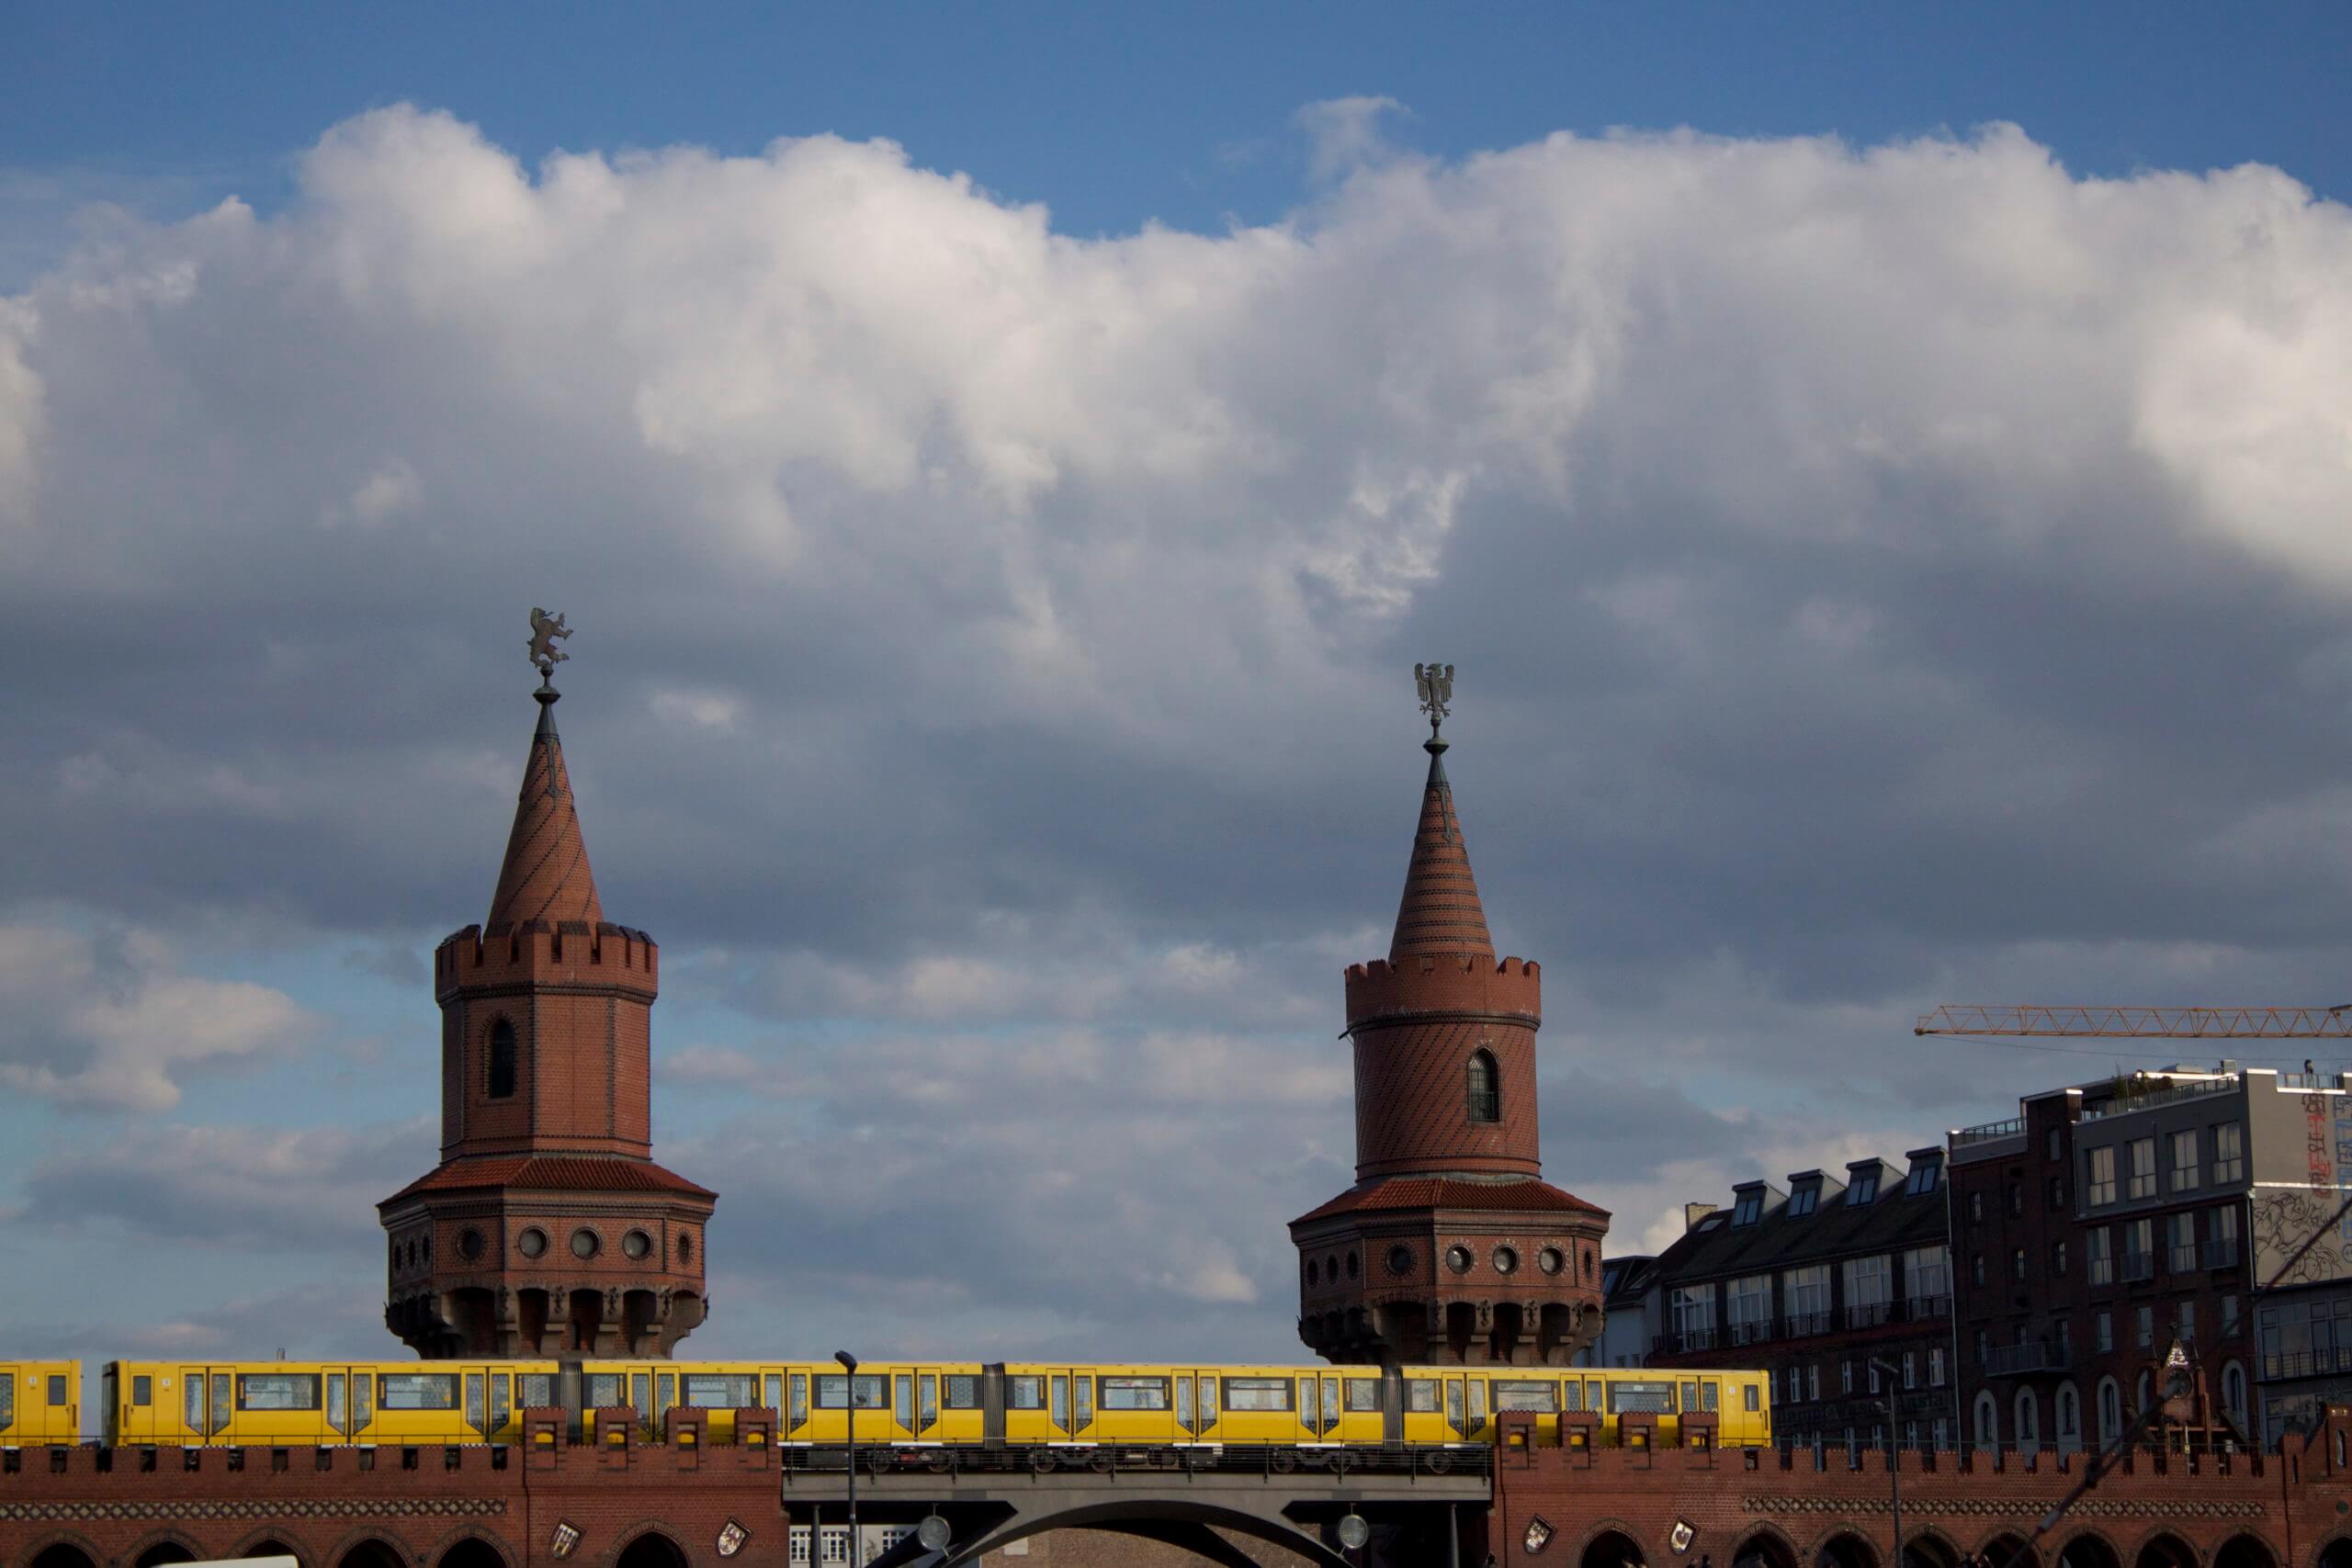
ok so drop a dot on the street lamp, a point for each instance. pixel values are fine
(848, 1386)
(1894, 1456)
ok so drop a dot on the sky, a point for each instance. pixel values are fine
(1883, 480)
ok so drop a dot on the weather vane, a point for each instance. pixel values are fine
(546, 631)
(1435, 683)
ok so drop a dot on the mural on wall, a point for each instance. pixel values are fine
(2285, 1217)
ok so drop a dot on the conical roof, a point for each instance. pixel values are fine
(546, 875)
(1440, 912)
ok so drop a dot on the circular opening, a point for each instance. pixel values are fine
(1353, 1266)
(637, 1244)
(1458, 1259)
(470, 1243)
(1400, 1259)
(584, 1243)
(1505, 1260)
(1550, 1261)
(685, 1247)
(532, 1242)
(1312, 1273)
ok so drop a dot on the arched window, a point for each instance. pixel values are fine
(1989, 1420)
(2028, 1426)
(2233, 1393)
(502, 1060)
(1485, 1099)
(2140, 1395)
(2111, 1411)
(2069, 1419)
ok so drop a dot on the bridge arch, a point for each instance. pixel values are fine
(1764, 1546)
(366, 1550)
(651, 1547)
(1843, 1548)
(468, 1549)
(2000, 1548)
(2336, 1552)
(2245, 1552)
(2162, 1549)
(1117, 1514)
(1925, 1546)
(170, 1546)
(64, 1552)
(268, 1544)
(1610, 1545)
(2087, 1548)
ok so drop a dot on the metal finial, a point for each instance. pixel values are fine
(546, 631)
(1435, 683)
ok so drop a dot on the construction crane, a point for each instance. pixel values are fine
(2140, 1023)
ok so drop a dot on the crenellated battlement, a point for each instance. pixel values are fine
(1463, 983)
(547, 952)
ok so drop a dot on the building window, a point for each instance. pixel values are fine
(2105, 1324)
(1749, 1307)
(2102, 1187)
(1988, 1433)
(1923, 1175)
(1910, 1368)
(2222, 1239)
(1505, 1260)
(2017, 1263)
(2110, 1410)
(1458, 1259)
(1846, 1377)
(1693, 1311)
(2233, 1393)
(2058, 1260)
(2140, 1250)
(1803, 1198)
(584, 1243)
(1983, 1349)
(2070, 1417)
(1400, 1259)
(2057, 1193)
(1813, 1381)
(2143, 1333)
(2188, 1321)
(1870, 1368)
(532, 1242)
(2228, 1153)
(1926, 1277)
(2143, 1167)
(1486, 1097)
(2056, 1143)
(1976, 1270)
(2184, 1160)
(1864, 1186)
(2182, 1253)
(637, 1244)
(502, 1060)
(1804, 1297)
(1936, 1366)
(2100, 1250)
(2017, 1198)
(1976, 1208)
(1551, 1260)
(1869, 1286)
(2065, 1341)
(1748, 1208)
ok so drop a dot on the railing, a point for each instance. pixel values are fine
(2223, 1254)
(2126, 1105)
(2036, 1355)
(2306, 1363)
(2139, 1266)
(1114, 1459)
(1679, 1340)
(1751, 1333)
(1867, 1315)
(2181, 1260)
(1797, 1325)
(1989, 1131)
(1926, 1309)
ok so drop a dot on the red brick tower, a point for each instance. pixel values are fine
(1450, 1248)
(546, 1229)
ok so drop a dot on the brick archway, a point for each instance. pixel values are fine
(1842, 1547)
(164, 1547)
(2249, 1551)
(2164, 1549)
(65, 1551)
(2002, 1545)
(1611, 1546)
(270, 1542)
(2087, 1548)
(1764, 1546)
(652, 1547)
(2336, 1552)
(469, 1548)
(367, 1549)
(1925, 1546)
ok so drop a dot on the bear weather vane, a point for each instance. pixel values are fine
(546, 631)
(1435, 683)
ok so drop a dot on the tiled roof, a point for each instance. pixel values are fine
(1440, 912)
(545, 875)
(1446, 1192)
(552, 1173)
(1778, 1240)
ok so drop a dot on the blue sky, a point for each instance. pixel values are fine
(1880, 474)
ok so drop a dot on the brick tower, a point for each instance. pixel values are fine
(546, 1229)
(1451, 1247)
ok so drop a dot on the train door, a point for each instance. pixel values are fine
(926, 1410)
(59, 1388)
(489, 1402)
(1196, 1405)
(1466, 1408)
(135, 1394)
(204, 1403)
(1069, 1401)
(1318, 1407)
(350, 1403)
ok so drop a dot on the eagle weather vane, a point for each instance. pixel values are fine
(546, 631)
(1435, 683)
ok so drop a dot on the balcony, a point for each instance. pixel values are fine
(1797, 1325)
(2192, 1088)
(2139, 1266)
(1682, 1341)
(2016, 1360)
(1867, 1315)
(2223, 1254)
(2307, 1364)
(1987, 1139)
(1927, 1309)
(1751, 1333)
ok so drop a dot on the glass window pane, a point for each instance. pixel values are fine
(1183, 1402)
(142, 1392)
(640, 1386)
(473, 1400)
(1363, 1395)
(1025, 1393)
(1135, 1393)
(927, 1406)
(1254, 1394)
(902, 1401)
(418, 1390)
(963, 1391)
(277, 1391)
(498, 1404)
(1515, 1395)
(1061, 1401)
(363, 1400)
(192, 1401)
(334, 1399)
(1421, 1396)
(1208, 1402)
(1085, 1394)
(800, 1399)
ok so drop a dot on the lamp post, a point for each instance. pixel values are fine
(849, 1387)
(1895, 1457)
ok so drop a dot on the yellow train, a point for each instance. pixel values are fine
(1044, 1414)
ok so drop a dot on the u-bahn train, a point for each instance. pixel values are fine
(1035, 1410)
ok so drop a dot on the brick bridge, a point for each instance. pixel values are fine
(681, 1503)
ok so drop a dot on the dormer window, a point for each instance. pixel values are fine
(1749, 1208)
(1803, 1200)
(502, 1060)
(1923, 1177)
(1485, 1099)
(1864, 1186)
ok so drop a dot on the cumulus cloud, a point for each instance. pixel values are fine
(1876, 574)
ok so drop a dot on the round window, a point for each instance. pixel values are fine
(1313, 1274)
(1458, 1259)
(1550, 1261)
(1400, 1259)
(470, 1243)
(637, 1244)
(1505, 1260)
(685, 1247)
(584, 1243)
(532, 1242)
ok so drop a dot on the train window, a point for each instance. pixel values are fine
(1025, 1393)
(417, 1391)
(1572, 1395)
(1184, 1402)
(1749, 1399)
(536, 1390)
(1135, 1393)
(142, 1391)
(1363, 1395)
(192, 1403)
(641, 1384)
(473, 1400)
(833, 1392)
(668, 1386)
(7, 1401)
(1454, 1403)
(1477, 1401)
(963, 1391)
(1689, 1397)
(799, 1399)
(717, 1391)
(277, 1391)
(363, 1406)
(1592, 1393)
(1707, 1394)
(498, 1404)
(772, 1385)
(1257, 1393)
(927, 1402)
(334, 1399)
(903, 1399)
(57, 1389)
(1085, 1397)
(1542, 1396)
(1208, 1402)
(1628, 1395)
(606, 1389)
(1421, 1396)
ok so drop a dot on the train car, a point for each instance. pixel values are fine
(41, 1403)
(188, 1404)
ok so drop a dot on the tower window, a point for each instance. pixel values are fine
(1485, 1099)
(502, 1060)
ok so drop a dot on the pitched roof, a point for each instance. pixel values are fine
(1779, 1239)
(1447, 1193)
(1440, 912)
(545, 875)
(552, 1173)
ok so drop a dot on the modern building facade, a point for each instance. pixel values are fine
(1840, 1289)
(1450, 1248)
(546, 1229)
(2110, 1220)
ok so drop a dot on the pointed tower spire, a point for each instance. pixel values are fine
(1440, 912)
(545, 875)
